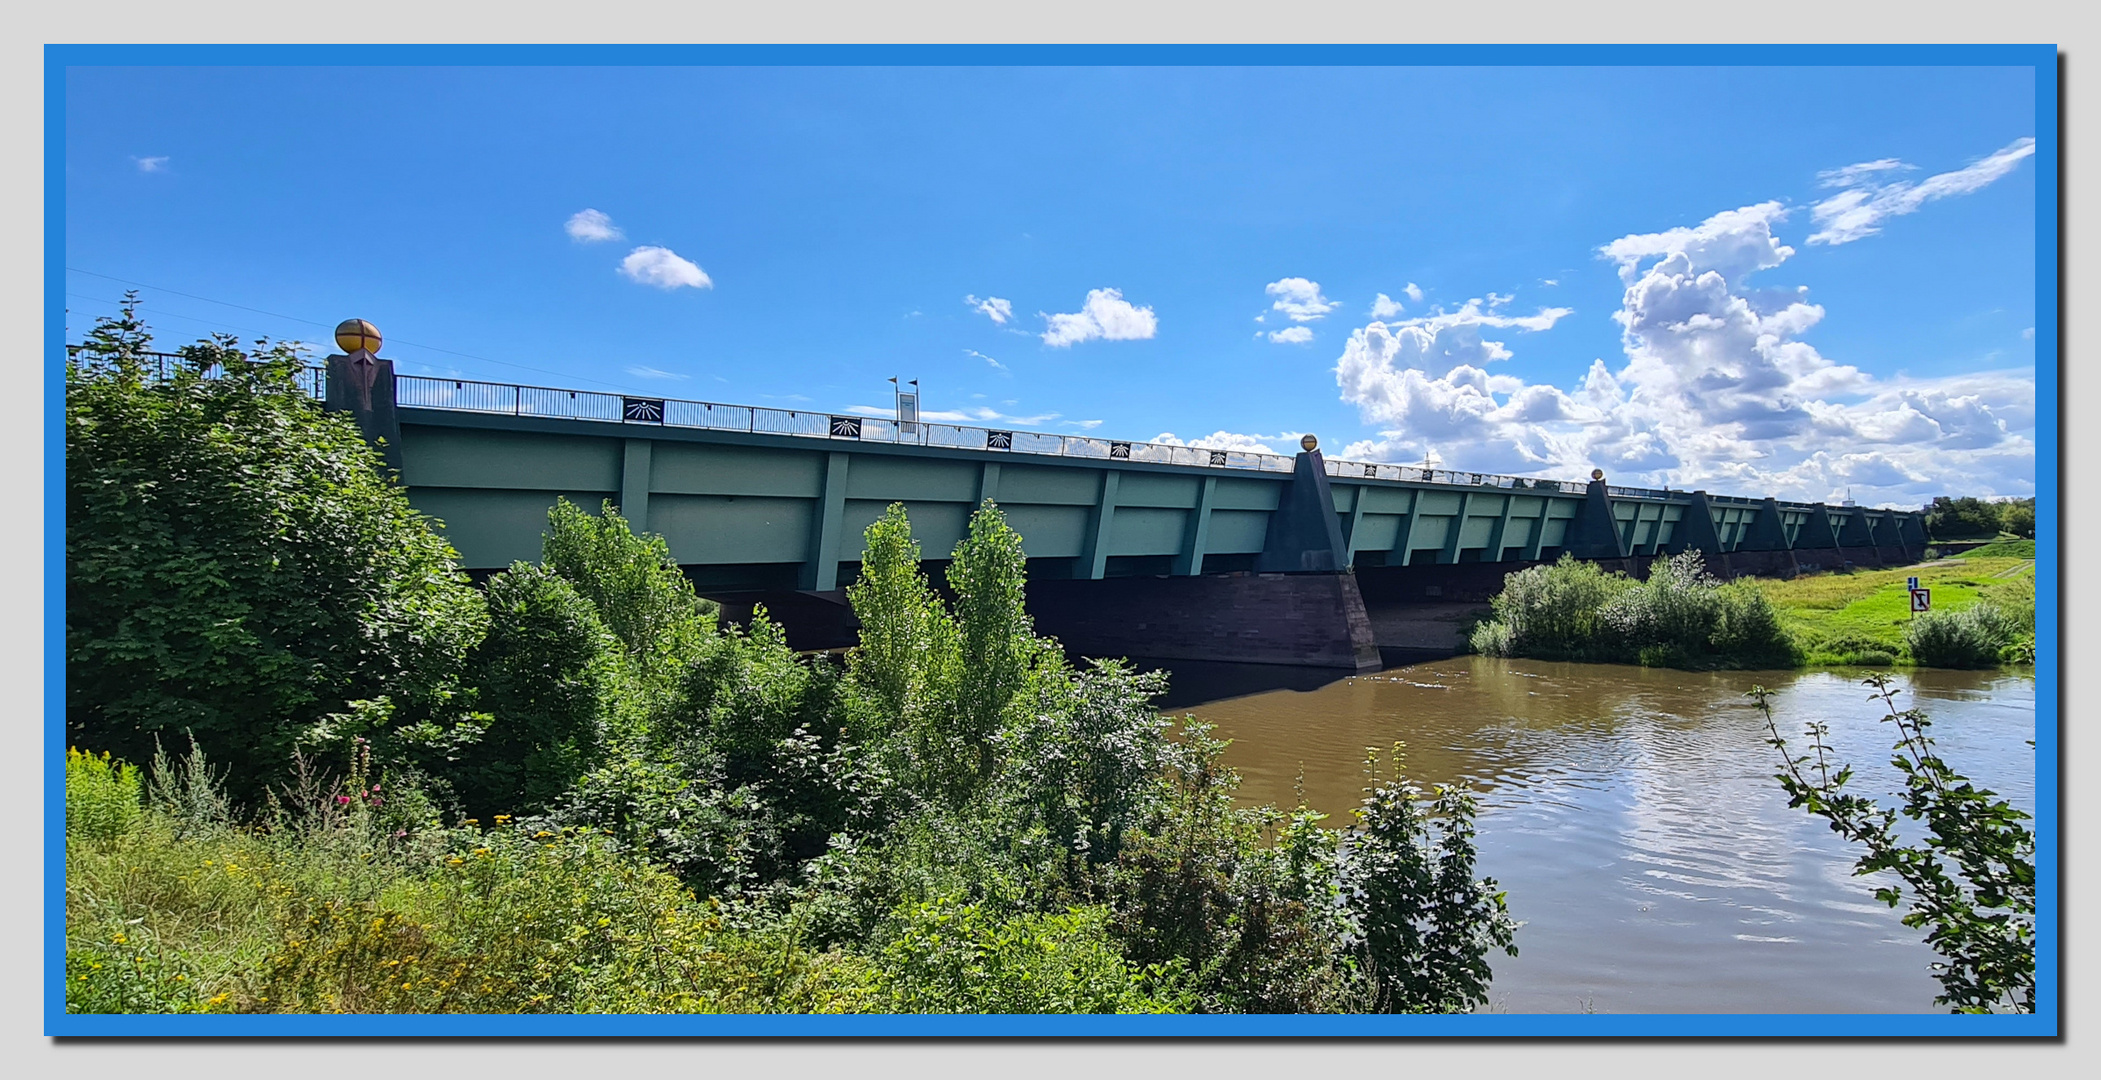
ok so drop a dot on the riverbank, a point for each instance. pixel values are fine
(1859, 617)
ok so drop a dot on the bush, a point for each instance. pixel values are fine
(1550, 611)
(102, 796)
(552, 922)
(951, 957)
(547, 679)
(1967, 638)
(1681, 616)
(239, 567)
(1428, 925)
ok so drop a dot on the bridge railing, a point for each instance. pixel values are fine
(467, 395)
(311, 380)
(1430, 475)
(427, 392)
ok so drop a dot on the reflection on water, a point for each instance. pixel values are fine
(1633, 816)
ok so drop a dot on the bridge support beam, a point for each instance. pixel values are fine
(1094, 562)
(634, 483)
(1816, 545)
(820, 572)
(1856, 539)
(1450, 554)
(1595, 533)
(1197, 532)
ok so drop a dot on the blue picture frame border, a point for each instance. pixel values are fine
(2046, 1022)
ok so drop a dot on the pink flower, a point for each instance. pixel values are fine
(342, 800)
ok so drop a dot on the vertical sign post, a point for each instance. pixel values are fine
(907, 408)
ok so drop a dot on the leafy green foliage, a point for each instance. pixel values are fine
(547, 680)
(1680, 616)
(638, 590)
(238, 566)
(102, 796)
(1967, 520)
(681, 816)
(2018, 517)
(1551, 611)
(1971, 883)
(950, 957)
(1968, 637)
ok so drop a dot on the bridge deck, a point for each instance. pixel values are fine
(760, 498)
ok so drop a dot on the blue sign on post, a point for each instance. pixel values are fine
(1912, 584)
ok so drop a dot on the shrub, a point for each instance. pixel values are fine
(1970, 637)
(1747, 629)
(548, 922)
(1428, 924)
(1972, 880)
(546, 679)
(102, 796)
(950, 957)
(1680, 616)
(1551, 611)
(238, 566)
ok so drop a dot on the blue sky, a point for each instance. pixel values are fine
(1582, 267)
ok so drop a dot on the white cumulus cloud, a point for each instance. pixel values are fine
(1385, 307)
(1859, 210)
(1716, 388)
(1106, 315)
(1412, 292)
(1299, 299)
(663, 268)
(1292, 335)
(992, 307)
(152, 164)
(589, 226)
(1230, 440)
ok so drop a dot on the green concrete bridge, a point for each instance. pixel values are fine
(765, 498)
(1133, 547)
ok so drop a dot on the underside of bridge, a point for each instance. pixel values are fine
(1267, 560)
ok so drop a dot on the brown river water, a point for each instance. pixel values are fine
(1633, 817)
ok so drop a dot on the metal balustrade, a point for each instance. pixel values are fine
(509, 399)
(468, 395)
(426, 392)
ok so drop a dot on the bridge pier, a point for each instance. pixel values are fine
(1303, 620)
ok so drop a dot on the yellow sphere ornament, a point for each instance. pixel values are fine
(1309, 442)
(355, 334)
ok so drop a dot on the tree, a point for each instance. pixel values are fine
(2018, 518)
(238, 565)
(546, 678)
(1980, 913)
(1966, 518)
(640, 593)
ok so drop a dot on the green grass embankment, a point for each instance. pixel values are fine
(1859, 617)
